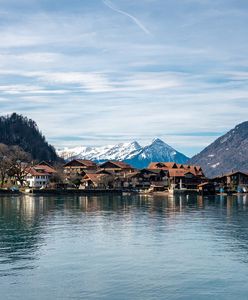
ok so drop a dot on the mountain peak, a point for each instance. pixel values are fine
(130, 152)
(157, 141)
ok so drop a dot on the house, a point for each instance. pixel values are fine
(96, 181)
(181, 175)
(39, 175)
(79, 167)
(196, 170)
(116, 167)
(232, 181)
(140, 179)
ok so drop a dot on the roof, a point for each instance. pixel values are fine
(101, 171)
(41, 170)
(196, 170)
(95, 177)
(85, 162)
(233, 173)
(45, 168)
(119, 164)
(177, 172)
(161, 165)
(44, 163)
(34, 172)
(133, 174)
(152, 171)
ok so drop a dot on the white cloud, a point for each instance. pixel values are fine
(135, 20)
(84, 71)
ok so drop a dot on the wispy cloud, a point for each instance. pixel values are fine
(77, 65)
(134, 19)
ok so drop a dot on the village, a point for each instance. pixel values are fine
(114, 176)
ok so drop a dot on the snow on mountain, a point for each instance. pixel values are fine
(131, 153)
(120, 152)
(157, 151)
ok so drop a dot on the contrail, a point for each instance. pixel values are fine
(135, 20)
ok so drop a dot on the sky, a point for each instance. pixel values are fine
(94, 72)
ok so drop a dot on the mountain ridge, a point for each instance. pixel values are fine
(132, 153)
(227, 153)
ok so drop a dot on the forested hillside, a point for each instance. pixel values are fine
(18, 130)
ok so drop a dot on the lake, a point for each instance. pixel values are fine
(124, 247)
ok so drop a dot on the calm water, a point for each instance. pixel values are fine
(133, 247)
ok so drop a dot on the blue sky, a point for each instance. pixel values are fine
(92, 72)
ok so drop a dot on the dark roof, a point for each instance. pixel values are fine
(87, 163)
(119, 164)
(233, 173)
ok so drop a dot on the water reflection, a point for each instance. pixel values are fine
(27, 211)
(26, 222)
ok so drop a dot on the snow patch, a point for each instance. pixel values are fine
(215, 165)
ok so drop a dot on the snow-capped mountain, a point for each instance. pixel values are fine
(132, 153)
(119, 152)
(156, 151)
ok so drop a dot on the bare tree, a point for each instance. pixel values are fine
(58, 177)
(20, 163)
(5, 163)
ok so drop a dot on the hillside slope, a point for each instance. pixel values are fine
(227, 153)
(21, 131)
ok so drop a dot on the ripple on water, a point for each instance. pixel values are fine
(112, 247)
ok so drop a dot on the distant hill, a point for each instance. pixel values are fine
(227, 153)
(21, 131)
(132, 153)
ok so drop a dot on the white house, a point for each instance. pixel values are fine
(39, 176)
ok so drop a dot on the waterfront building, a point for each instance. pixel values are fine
(232, 181)
(79, 167)
(180, 175)
(39, 175)
(96, 181)
(117, 167)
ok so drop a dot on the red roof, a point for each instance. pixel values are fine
(95, 177)
(172, 167)
(177, 173)
(41, 170)
(34, 172)
(45, 168)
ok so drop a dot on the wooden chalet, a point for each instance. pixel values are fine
(181, 175)
(141, 179)
(96, 181)
(79, 167)
(232, 181)
(196, 170)
(116, 167)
